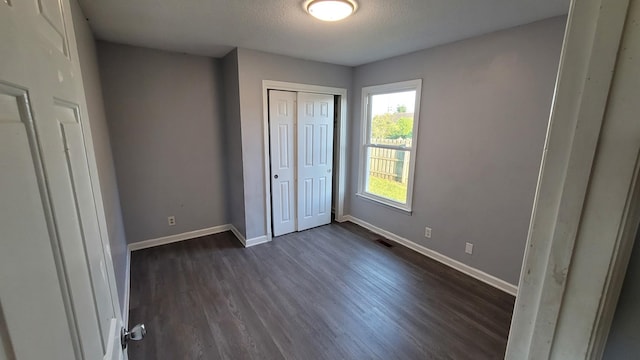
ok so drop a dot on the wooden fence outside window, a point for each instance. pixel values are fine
(390, 164)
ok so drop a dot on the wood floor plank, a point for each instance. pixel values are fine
(331, 292)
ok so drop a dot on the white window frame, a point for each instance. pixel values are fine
(367, 93)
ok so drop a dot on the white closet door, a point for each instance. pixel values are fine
(315, 159)
(282, 112)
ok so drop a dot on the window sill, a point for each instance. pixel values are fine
(384, 202)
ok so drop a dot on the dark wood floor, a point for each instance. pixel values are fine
(328, 293)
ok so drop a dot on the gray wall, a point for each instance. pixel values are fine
(165, 113)
(484, 112)
(233, 142)
(100, 134)
(254, 67)
(624, 336)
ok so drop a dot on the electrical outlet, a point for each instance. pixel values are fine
(468, 248)
(427, 232)
(171, 220)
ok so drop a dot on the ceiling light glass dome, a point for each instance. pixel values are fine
(331, 10)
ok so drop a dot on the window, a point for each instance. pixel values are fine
(389, 132)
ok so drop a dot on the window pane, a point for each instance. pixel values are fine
(388, 173)
(392, 118)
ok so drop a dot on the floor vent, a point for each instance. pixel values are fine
(384, 243)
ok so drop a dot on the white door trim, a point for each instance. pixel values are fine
(96, 189)
(341, 128)
(582, 215)
(97, 198)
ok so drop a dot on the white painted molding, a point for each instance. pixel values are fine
(583, 185)
(250, 242)
(127, 290)
(196, 234)
(238, 235)
(257, 241)
(463, 268)
(178, 237)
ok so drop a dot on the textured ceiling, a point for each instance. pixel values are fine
(378, 30)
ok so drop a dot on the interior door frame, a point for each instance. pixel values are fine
(92, 167)
(588, 169)
(120, 312)
(341, 149)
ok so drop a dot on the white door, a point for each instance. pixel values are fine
(282, 113)
(56, 300)
(315, 159)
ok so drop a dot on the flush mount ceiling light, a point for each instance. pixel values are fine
(330, 10)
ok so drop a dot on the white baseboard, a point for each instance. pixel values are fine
(248, 242)
(466, 269)
(127, 290)
(178, 237)
(238, 235)
(257, 241)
